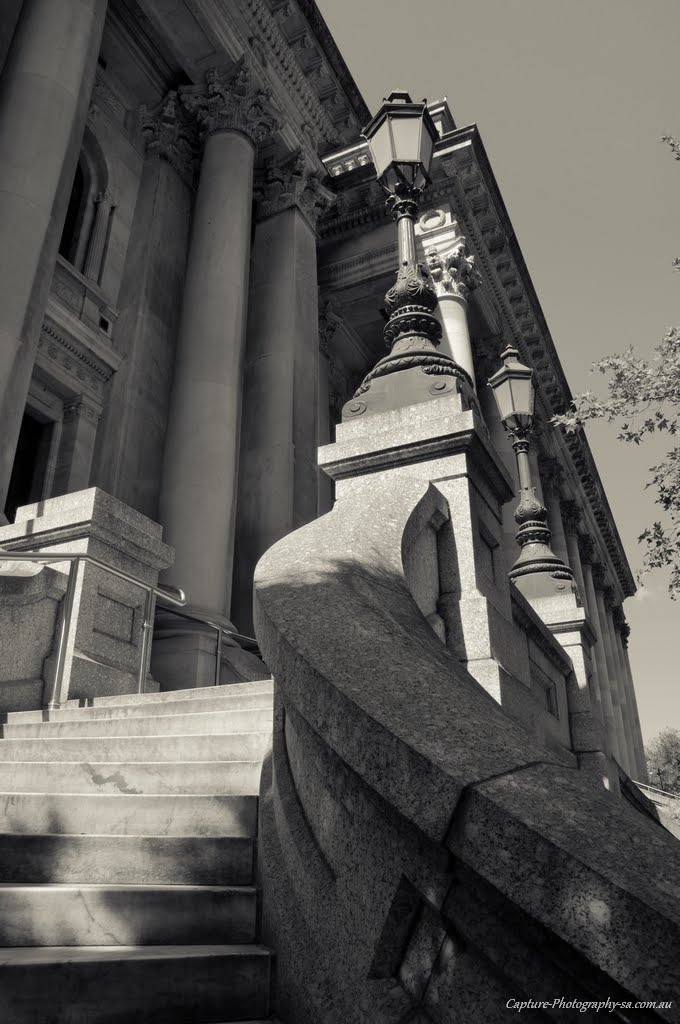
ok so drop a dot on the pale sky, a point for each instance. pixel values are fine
(570, 97)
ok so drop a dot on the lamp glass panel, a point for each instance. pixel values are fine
(426, 147)
(381, 148)
(406, 132)
(521, 395)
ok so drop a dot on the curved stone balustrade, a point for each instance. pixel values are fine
(422, 859)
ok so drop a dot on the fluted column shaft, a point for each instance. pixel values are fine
(622, 685)
(278, 478)
(570, 522)
(621, 743)
(200, 466)
(601, 663)
(643, 774)
(44, 95)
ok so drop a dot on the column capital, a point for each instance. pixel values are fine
(232, 101)
(550, 471)
(453, 272)
(292, 184)
(171, 134)
(81, 408)
(609, 595)
(599, 576)
(586, 548)
(329, 321)
(571, 515)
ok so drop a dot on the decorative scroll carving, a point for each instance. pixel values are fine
(233, 101)
(453, 273)
(293, 185)
(171, 134)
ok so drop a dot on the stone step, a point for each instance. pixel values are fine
(245, 746)
(154, 860)
(132, 777)
(115, 814)
(214, 702)
(126, 985)
(126, 915)
(168, 696)
(199, 723)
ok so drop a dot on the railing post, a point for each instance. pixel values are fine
(55, 697)
(147, 630)
(218, 656)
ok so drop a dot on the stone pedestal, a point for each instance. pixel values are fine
(44, 96)
(104, 647)
(452, 552)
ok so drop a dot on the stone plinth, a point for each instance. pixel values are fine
(104, 648)
(29, 605)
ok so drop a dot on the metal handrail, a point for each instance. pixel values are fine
(173, 595)
(220, 631)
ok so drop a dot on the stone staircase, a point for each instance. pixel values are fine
(127, 852)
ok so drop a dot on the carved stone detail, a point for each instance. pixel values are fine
(551, 473)
(453, 273)
(171, 134)
(571, 515)
(329, 321)
(293, 185)
(599, 576)
(233, 101)
(586, 548)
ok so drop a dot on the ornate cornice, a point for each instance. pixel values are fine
(284, 61)
(171, 134)
(292, 185)
(232, 101)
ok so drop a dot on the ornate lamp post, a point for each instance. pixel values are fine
(514, 393)
(401, 139)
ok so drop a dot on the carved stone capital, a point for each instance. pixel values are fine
(454, 272)
(586, 548)
(571, 515)
(79, 409)
(329, 321)
(171, 134)
(233, 101)
(292, 185)
(599, 576)
(551, 473)
(609, 595)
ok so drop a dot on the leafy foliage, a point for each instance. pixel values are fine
(643, 397)
(663, 761)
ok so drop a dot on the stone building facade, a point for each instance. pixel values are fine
(194, 256)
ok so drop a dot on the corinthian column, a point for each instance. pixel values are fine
(44, 96)
(454, 276)
(200, 465)
(278, 480)
(620, 639)
(586, 549)
(612, 668)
